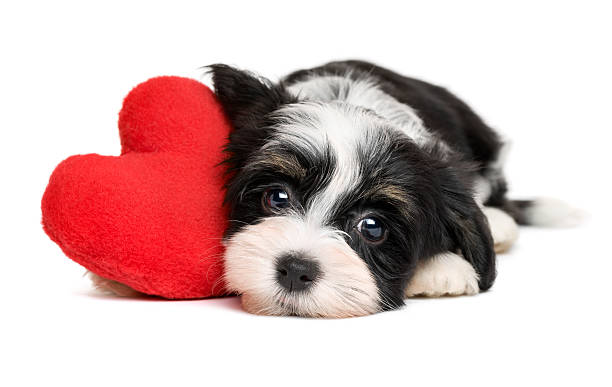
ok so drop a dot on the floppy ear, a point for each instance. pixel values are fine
(247, 101)
(246, 98)
(468, 227)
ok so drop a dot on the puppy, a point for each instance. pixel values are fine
(352, 187)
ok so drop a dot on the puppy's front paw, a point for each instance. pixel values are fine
(445, 274)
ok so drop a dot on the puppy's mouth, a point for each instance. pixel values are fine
(275, 266)
(277, 306)
(287, 305)
(281, 303)
(303, 304)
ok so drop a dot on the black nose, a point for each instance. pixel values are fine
(295, 273)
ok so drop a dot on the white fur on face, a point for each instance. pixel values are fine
(345, 288)
(347, 131)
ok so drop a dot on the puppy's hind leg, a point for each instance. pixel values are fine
(108, 286)
(504, 229)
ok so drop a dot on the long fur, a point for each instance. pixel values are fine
(350, 141)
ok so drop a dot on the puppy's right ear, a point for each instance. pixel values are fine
(247, 101)
(246, 98)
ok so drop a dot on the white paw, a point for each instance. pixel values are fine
(107, 286)
(503, 228)
(445, 274)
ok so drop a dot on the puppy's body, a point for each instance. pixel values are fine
(430, 115)
(352, 187)
(433, 118)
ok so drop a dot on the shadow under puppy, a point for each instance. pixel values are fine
(353, 187)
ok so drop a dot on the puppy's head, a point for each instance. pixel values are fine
(332, 207)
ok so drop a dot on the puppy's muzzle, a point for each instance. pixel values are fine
(296, 273)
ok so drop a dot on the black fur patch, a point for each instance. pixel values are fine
(247, 100)
(437, 212)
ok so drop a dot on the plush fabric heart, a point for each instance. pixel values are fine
(151, 218)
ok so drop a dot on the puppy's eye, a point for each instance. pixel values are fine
(372, 229)
(276, 199)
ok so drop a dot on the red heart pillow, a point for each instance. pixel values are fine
(153, 217)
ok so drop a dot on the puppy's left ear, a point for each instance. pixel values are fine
(468, 226)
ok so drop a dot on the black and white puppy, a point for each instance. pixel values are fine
(352, 187)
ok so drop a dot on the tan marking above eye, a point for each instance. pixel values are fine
(398, 197)
(287, 164)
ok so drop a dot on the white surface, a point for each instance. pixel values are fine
(540, 73)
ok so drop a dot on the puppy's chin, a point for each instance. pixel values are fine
(254, 305)
(345, 288)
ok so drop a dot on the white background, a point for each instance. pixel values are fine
(541, 73)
